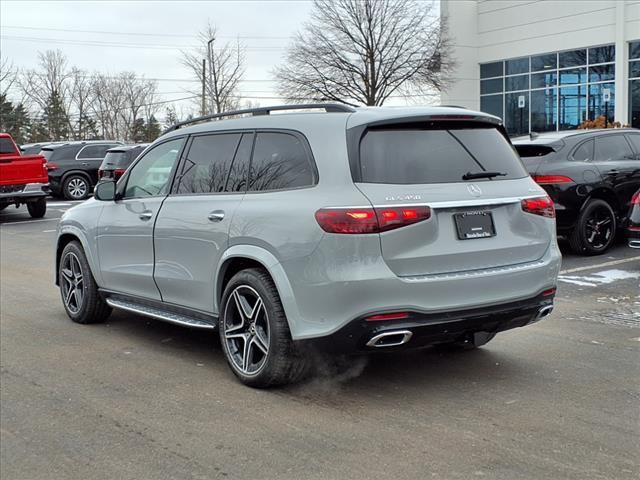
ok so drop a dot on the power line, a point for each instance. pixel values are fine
(143, 34)
(102, 43)
(111, 77)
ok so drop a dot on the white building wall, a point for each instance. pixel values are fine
(488, 30)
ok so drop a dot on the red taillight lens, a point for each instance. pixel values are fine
(370, 220)
(635, 200)
(388, 316)
(539, 206)
(52, 166)
(551, 179)
(118, 172)
(549, 291)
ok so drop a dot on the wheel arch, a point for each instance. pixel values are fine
(67, 235)
(239, 257)
(608, 196)
(80, 173)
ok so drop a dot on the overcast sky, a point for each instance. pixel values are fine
(147, 36)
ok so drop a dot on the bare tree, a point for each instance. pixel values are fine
(8, 75)
(82, 95)
(223, 73)
(365, 51)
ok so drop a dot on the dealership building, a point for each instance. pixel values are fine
(546, 65)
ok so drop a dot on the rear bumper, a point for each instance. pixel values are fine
(23, 193)
(423, 329)
(633, 236)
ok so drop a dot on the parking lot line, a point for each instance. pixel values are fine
(30, 221)
(605, 264)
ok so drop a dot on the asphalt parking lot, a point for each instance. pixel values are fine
(136, 398)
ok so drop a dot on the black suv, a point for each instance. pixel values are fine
(73, 167)
(118, 159)
(591, 175)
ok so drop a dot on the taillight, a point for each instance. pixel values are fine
(118, 172)
(635, 200)
(52, 166)
(370, 220)
(551, 179)
(539, 206)
(100, 173)
(549, 291)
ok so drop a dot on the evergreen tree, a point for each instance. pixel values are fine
(152, 129)
(56, 118)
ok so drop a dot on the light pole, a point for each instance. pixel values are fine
(210, 58)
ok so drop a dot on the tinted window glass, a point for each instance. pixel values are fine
(634, 50)
(94, 151)
(544, 62)
(489, 70)
(634, 69)
(519, 65)
(601, 73)
(521, 82)
(151, 176)
(6, 146)
(584, 152)
(541, 80)
(516, 117)
(207, 163)
(279, 161)
(47, 154)
(635, 141)
(573, 75)
(572, 58)
(612, 147)
(602, 54)
(544, 109)
(237, 181)
(491, 86)
(492, 104)
(435, 156)
(116, 159)
(528, 151)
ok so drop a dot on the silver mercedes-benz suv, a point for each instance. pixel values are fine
(325, 227)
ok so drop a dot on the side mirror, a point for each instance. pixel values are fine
(105, 191)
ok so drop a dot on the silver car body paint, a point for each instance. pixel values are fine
(324, 280)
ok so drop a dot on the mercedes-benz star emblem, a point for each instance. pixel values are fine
(474, 190)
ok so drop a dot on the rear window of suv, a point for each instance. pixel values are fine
(411, 156)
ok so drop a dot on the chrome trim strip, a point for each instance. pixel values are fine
(474, 273)
(476, 202)
(159, 315)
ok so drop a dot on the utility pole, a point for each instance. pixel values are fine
(204, 79)
(210, 55)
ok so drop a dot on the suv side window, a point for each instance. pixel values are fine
(634, 139)
(151, 176)
(612, 147)
(94, 151)
(280, 161)
(237, 181)
(584, 153)
(207, 164)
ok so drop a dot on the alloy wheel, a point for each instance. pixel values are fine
(246, 330)
(77, 187)
(599, 228)
(72, 283)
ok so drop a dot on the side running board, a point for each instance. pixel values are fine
(159, 314)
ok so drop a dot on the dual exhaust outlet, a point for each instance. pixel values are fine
(395, 338)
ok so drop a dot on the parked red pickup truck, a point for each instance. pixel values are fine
(23, 178)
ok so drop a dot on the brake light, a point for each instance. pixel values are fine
(52, 166)
(549, 291)
(370, 220)
(118, 172)
(635, 200)
(551, 179)
(388, 316)
(539, 206)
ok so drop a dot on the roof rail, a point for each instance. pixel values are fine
(328, 107)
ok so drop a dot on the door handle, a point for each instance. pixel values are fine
(85, 164)
(216, 216)
(613, 171)
(146, 215)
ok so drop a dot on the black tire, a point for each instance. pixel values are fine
(2, 207)
(76, 187)
(595, 229)
(38, 208)
(91, 307)
(282, 363)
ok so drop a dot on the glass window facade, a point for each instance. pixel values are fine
(634, 84)
(555, 90)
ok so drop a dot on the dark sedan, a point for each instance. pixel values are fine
(591, 175)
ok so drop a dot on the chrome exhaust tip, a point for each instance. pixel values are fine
(390, 339)
(543, 312)
(634, 243)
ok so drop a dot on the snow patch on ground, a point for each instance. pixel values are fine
(599, 278)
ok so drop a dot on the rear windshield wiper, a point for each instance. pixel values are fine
(472, 176)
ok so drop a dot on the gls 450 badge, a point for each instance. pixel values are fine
(402, 198)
